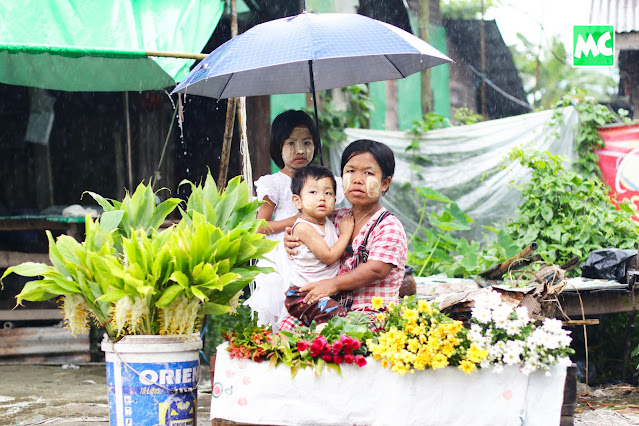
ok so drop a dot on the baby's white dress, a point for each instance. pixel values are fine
(267, 299)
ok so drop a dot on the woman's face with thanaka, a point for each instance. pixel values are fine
(362, 179)
(298, 149)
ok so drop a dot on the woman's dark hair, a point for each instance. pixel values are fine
(311, 171)
(282, 127)
(382, 154)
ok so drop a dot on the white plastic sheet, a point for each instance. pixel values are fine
(465, 163)
(250, 392)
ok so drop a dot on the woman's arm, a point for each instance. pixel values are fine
(273, 226)
(364, 275)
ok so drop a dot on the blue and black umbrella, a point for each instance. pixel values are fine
(307, 53)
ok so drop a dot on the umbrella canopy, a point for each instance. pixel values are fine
(309, 52)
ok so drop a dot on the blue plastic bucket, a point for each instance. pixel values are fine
(153, 380)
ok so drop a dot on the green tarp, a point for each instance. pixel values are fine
(80, 45)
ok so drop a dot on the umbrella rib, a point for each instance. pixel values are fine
(393, 64)
(225, 85)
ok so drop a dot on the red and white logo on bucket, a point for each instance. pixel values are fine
(619, 161)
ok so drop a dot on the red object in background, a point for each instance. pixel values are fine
(619, 161)
(151, 100)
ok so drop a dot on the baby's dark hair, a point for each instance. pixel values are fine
(382, 154)
(311, 171)
(282, 127)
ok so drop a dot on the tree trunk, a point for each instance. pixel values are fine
(423, 24)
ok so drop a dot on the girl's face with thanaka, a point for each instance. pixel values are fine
(297, 149)
(362, 180)
(316, 199)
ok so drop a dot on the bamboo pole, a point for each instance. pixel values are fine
(129, 161)
(103, 52)
(230, 116)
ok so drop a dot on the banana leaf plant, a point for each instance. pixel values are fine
(133, 278)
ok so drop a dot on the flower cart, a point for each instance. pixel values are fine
(422, 368)
(244, 391)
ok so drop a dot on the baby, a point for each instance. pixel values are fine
(318, 255)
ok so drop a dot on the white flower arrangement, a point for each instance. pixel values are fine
(511, 338)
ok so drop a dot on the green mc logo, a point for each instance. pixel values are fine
(593, 45)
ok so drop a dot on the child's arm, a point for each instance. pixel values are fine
(313, 240)
(273, 226)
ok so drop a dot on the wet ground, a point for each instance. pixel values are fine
(72, 394)
(67, 394)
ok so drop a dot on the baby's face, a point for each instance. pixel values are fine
(317, 198)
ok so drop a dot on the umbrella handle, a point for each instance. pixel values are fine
(319, 136)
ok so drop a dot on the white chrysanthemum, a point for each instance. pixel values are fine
(76, 316)
(522, 314)
(498, 368)
(512, 328)
(502, 324)
(502, 313)
(552, 325)
(511, 358)
(527, 369)
(482, 315)
(564, 361)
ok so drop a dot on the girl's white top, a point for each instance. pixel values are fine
(278, 189)
(307, 268)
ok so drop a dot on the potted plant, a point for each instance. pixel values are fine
(150, 288)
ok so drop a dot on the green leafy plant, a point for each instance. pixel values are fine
(137, 211)
(592, 115)
(436, 246)
(466, 116)
(145, 281)
(566, 214)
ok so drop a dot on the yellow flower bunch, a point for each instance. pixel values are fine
(417, 336)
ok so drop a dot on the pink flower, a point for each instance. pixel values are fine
(319, 342)
(360, 360)
(356, 344)
(337, 359)
(346, 341)
(329, 358)
(314, 352)
(337, 346)
(348, 358)
(302, 345)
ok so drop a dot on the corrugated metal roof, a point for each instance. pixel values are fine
(623, 14)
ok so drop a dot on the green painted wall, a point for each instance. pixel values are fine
(377, 93)
(440, 75)
(409, 107)
(281, 103)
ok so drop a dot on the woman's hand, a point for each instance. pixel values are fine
(319, 289)
(291, 242)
